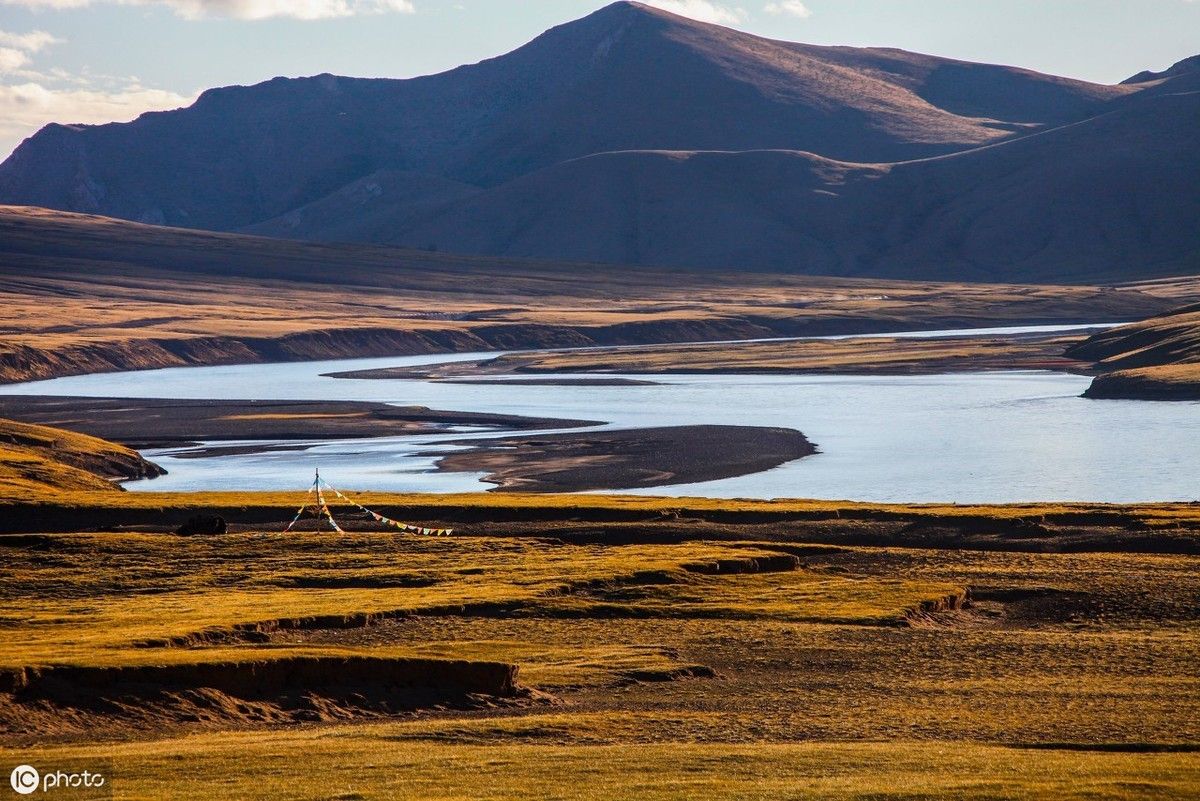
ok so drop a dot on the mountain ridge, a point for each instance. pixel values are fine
(329, 158)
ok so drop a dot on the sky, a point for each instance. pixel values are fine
(110, 60)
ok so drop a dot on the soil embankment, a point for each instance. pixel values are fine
(1147, 528)
(644, 457)
(61, 700)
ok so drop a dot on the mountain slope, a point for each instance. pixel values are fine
(1111, 197)
(626, 77)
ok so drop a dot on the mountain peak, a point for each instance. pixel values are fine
(628, 77)
(1184, 67)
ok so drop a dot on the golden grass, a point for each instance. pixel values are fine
(375, 762)
(97, 595)
(40, 461)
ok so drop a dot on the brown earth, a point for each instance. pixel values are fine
(250, 691)
(614, 460)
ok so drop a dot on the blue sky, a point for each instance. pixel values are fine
(101, 60)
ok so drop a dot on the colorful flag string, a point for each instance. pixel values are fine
(387, 521)
(321, 510)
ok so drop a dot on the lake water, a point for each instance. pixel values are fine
(967, 437)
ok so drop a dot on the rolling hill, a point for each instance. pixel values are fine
(636, 136)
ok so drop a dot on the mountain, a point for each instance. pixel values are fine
(1106, 198)
(641, 137)
(626, 77)
(1189, 66)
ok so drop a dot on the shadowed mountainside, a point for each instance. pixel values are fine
(241, 155)
(1110, 197)
(563, 149)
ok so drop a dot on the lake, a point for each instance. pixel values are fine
(994, 437)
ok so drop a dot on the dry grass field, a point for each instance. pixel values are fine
(676, 656)
(86, 294)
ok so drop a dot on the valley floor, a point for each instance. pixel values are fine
(90, 294)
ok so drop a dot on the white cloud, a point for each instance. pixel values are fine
(793, 8)
(54, 4)
(242, 9)
(26, 107)
(12, 59)
(702, 10)
(15, 49)
(30, 42)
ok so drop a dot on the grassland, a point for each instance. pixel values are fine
(659, 655)
(373, 762)
(84, 294)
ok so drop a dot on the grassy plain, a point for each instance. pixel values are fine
(661, 666)
(391, 762)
